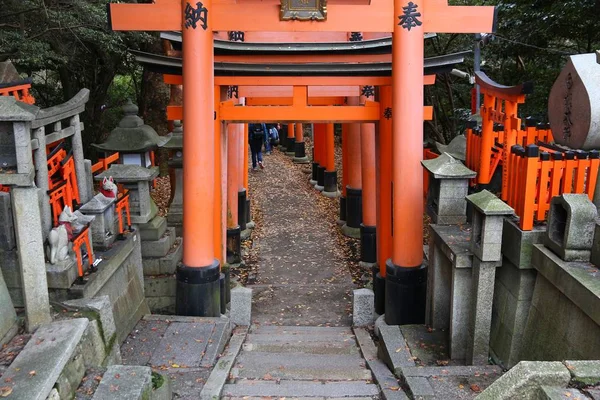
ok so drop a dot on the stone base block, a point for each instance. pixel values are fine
(301, 160)
(166, 265)
(163, 286)
(161, 247)
(517, 244)
(319, 187)
(331, 195)
(241, 306)
(513, 291)
(154, 229)
(62, 274)
(363, 313)
(351, 232)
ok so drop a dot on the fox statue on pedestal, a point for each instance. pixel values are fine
(58, 238)
(109, 188)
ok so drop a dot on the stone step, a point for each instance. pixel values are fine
(153, 229)
(125, 382)
(337, 347)
(307, 330)
(361, 389)
(300, 338)
(255, 365)
(166, 265)
(161, 247)
(302, 398)
(35, 371)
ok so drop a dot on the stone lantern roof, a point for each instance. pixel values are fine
(176, 141)
(132, 135)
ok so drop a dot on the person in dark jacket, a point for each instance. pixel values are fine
(257, 136)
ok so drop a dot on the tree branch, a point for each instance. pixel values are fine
(57, 28)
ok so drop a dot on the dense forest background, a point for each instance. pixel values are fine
(65, 45)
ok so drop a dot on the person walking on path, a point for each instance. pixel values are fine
(257, 136)
(272, 139)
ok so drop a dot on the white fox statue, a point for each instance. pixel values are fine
(58, 238)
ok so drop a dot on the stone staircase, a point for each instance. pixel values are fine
(300, 362)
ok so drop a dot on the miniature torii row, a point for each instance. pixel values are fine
(198, 277)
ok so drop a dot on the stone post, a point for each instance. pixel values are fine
(41, 178)
(448, 186)
(77, 146)
(485, 244)
(30, 246)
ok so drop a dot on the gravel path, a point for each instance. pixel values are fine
(302, 265)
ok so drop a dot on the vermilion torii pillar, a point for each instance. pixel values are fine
(354, 187)
(299, 146)
(329, 174)
(406, 276)
(368, 241)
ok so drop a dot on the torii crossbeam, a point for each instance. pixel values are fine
(198, 277)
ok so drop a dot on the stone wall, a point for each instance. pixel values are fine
(8, 318)
(564, 320)
(120, 278)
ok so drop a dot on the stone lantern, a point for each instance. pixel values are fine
(16, 160)
(448, 187)
(133, 139)
(175, 148)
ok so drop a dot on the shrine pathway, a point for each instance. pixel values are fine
(301, 276)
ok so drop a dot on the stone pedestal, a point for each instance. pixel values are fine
(137, 180)
(103, 225)
(8, 317)
(7, 229)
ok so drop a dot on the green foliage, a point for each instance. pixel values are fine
(533, 41)
(66, 45)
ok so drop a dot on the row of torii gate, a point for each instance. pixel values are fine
(303, 86)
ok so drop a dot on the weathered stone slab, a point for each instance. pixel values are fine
(393, 349)
(390, 387)
(140, 344)
(166, 265)
(300, 388)
(8, 317)
(163, 286)
(30, 246)
(302, 367)
(159, 248)
(595, 256)
(103, 311)
(7, 229)
(47, 353)
(62, 274)
(559, 393)
(125, 382)
(218, 339)
(220, 373)
(584, 372)
(524, 380)
(183, 344)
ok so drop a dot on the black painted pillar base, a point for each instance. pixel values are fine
(342, 219)
(291, 144)
(234, 245)
(320, 178)
(242, 216)
(405, 294)
(248, 213)
(330, 184)
(300, 149)
(379, 291)
(315, 167)
(368, 244)
(198, 291)
(222, 295)
(353, 207)
(225, 269)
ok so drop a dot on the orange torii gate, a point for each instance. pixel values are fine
(198, 277)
